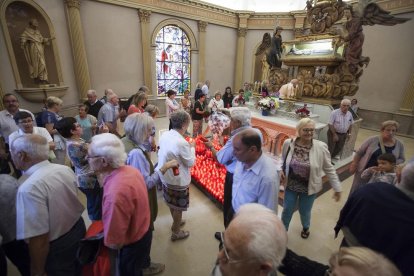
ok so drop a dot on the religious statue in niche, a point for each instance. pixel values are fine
(32, 42)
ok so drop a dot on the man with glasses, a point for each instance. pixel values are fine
(340, 126)
(7, 126)
(253, 244)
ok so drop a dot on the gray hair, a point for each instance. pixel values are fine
(143, 89)
(110, 147)
(152, 110)
(108, 91)
(302, 123)
(199, 85)
(242, 115)
(138, 127)
(365, 260)
(179, 119)
(34, 145)
(268, 237)
(52, 100)
(346, 101)
(407, 177)
(91, 92)
(110, 96)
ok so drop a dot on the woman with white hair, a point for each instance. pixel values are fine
(176, 186)
(305, 159)
(125, 206)
(140, 159)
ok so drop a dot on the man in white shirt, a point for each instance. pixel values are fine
(48, 211)
(109, 113)
(7, 126)
(340, 126)
(205, 89)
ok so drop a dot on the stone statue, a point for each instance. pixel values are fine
(32, 42)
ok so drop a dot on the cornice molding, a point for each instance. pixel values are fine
(201, 11)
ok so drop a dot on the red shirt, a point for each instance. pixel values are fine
(133, 109)
(125, 207)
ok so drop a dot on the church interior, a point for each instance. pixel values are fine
(176, 44)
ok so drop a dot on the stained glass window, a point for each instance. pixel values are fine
(173, 60)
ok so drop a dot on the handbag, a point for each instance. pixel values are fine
(89, 249)
(284, 161)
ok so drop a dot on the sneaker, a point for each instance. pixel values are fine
(153, 269)
(180, 235)
(182, 223)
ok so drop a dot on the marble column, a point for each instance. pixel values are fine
(407, 105)
(202, 26)
(144, 19)
(78, 47)
(241, 39)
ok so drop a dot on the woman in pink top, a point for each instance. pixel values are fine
(139, 101)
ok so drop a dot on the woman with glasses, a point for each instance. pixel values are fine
(77, 150)
(304, 161)
(367, 155)
(25, 122)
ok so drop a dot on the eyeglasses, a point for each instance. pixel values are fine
(26, 122)
(308, 129)
(228, 259)
(92, 157)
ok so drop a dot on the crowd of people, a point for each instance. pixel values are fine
(111, 163)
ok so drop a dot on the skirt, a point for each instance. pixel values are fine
(177, 199)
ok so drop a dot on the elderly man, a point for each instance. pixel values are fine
(109, 113)
(255, 179)
(16, 251)
(125, 206)
(7, 126)
(380, 216)
(289, 90)
(340, 126)
(253, 244)
(92, 103)
(205, 89)
(240, 120)
(48, 211)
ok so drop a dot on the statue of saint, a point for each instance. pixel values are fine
(274, 55)
(32, 42)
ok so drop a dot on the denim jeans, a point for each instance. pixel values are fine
(305, 207)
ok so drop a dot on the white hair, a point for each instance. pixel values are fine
(34, 145)
(111, 95)
(346, 101)
(108, 91)
(241, 114)
(138, 127)
(91, 92)
(407, 177)
(268, 237)
(110, 147)
(302, 123)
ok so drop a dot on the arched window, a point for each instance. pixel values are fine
(173, 60)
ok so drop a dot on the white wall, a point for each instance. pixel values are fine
(113, 46)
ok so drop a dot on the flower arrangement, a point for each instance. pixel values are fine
(268, 103)
(303, 112)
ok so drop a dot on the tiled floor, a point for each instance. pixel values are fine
(197, 254)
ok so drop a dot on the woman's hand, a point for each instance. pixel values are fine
(171, 164)
(352, 167)
(337, 196)
(282, 178)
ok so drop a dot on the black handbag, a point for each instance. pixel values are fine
(89, 249)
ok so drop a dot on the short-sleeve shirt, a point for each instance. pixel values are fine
(340, 121)
(86, 125)
(108, 114)
(47, 201)
(49, 117)
(195, 115)
(125, 207)
(8, 125)
(93, 109)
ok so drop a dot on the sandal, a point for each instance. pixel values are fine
(180, 235)
(305, 233)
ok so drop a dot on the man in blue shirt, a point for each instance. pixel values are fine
(255, 178)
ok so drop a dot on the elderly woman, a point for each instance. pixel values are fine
(48, 118)
(367, 155)
(125, 206)
(138, 103)
(176, 187)
(171, 104)
(87, 122)
(24, 121)
(216, 103)
(77, 150)
(186, 103)
(305, 160)
(140, 159)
